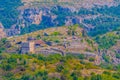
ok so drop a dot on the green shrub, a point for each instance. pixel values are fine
(26, 77)
(38, 36)
(7, 67)
(9, 74)
(59, 68)
(91, 59)
(106, 58)
(96, 77)
(81, 56)
(56, 33)
(41, 73)
(107, 66)
(116, 75)
(106, 72)
(118, 55)
(74, 75)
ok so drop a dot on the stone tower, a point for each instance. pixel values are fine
(27, 47)
(32, 46)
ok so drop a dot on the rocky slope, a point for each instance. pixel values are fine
(39, 14)
(105, 48)
(2, 33)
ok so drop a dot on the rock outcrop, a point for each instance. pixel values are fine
(39, 14)
(2, 32)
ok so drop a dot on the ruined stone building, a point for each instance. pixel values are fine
(27, 47)
(30, 46)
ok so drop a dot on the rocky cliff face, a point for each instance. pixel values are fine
(43, 17)
(35, 15)
(2, 32)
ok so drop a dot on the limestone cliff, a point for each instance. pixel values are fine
(2, 32)
(40, 14)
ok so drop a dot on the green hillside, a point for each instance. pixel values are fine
(37, 66)
(52, 67)
(108, 40)
(59, 40)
